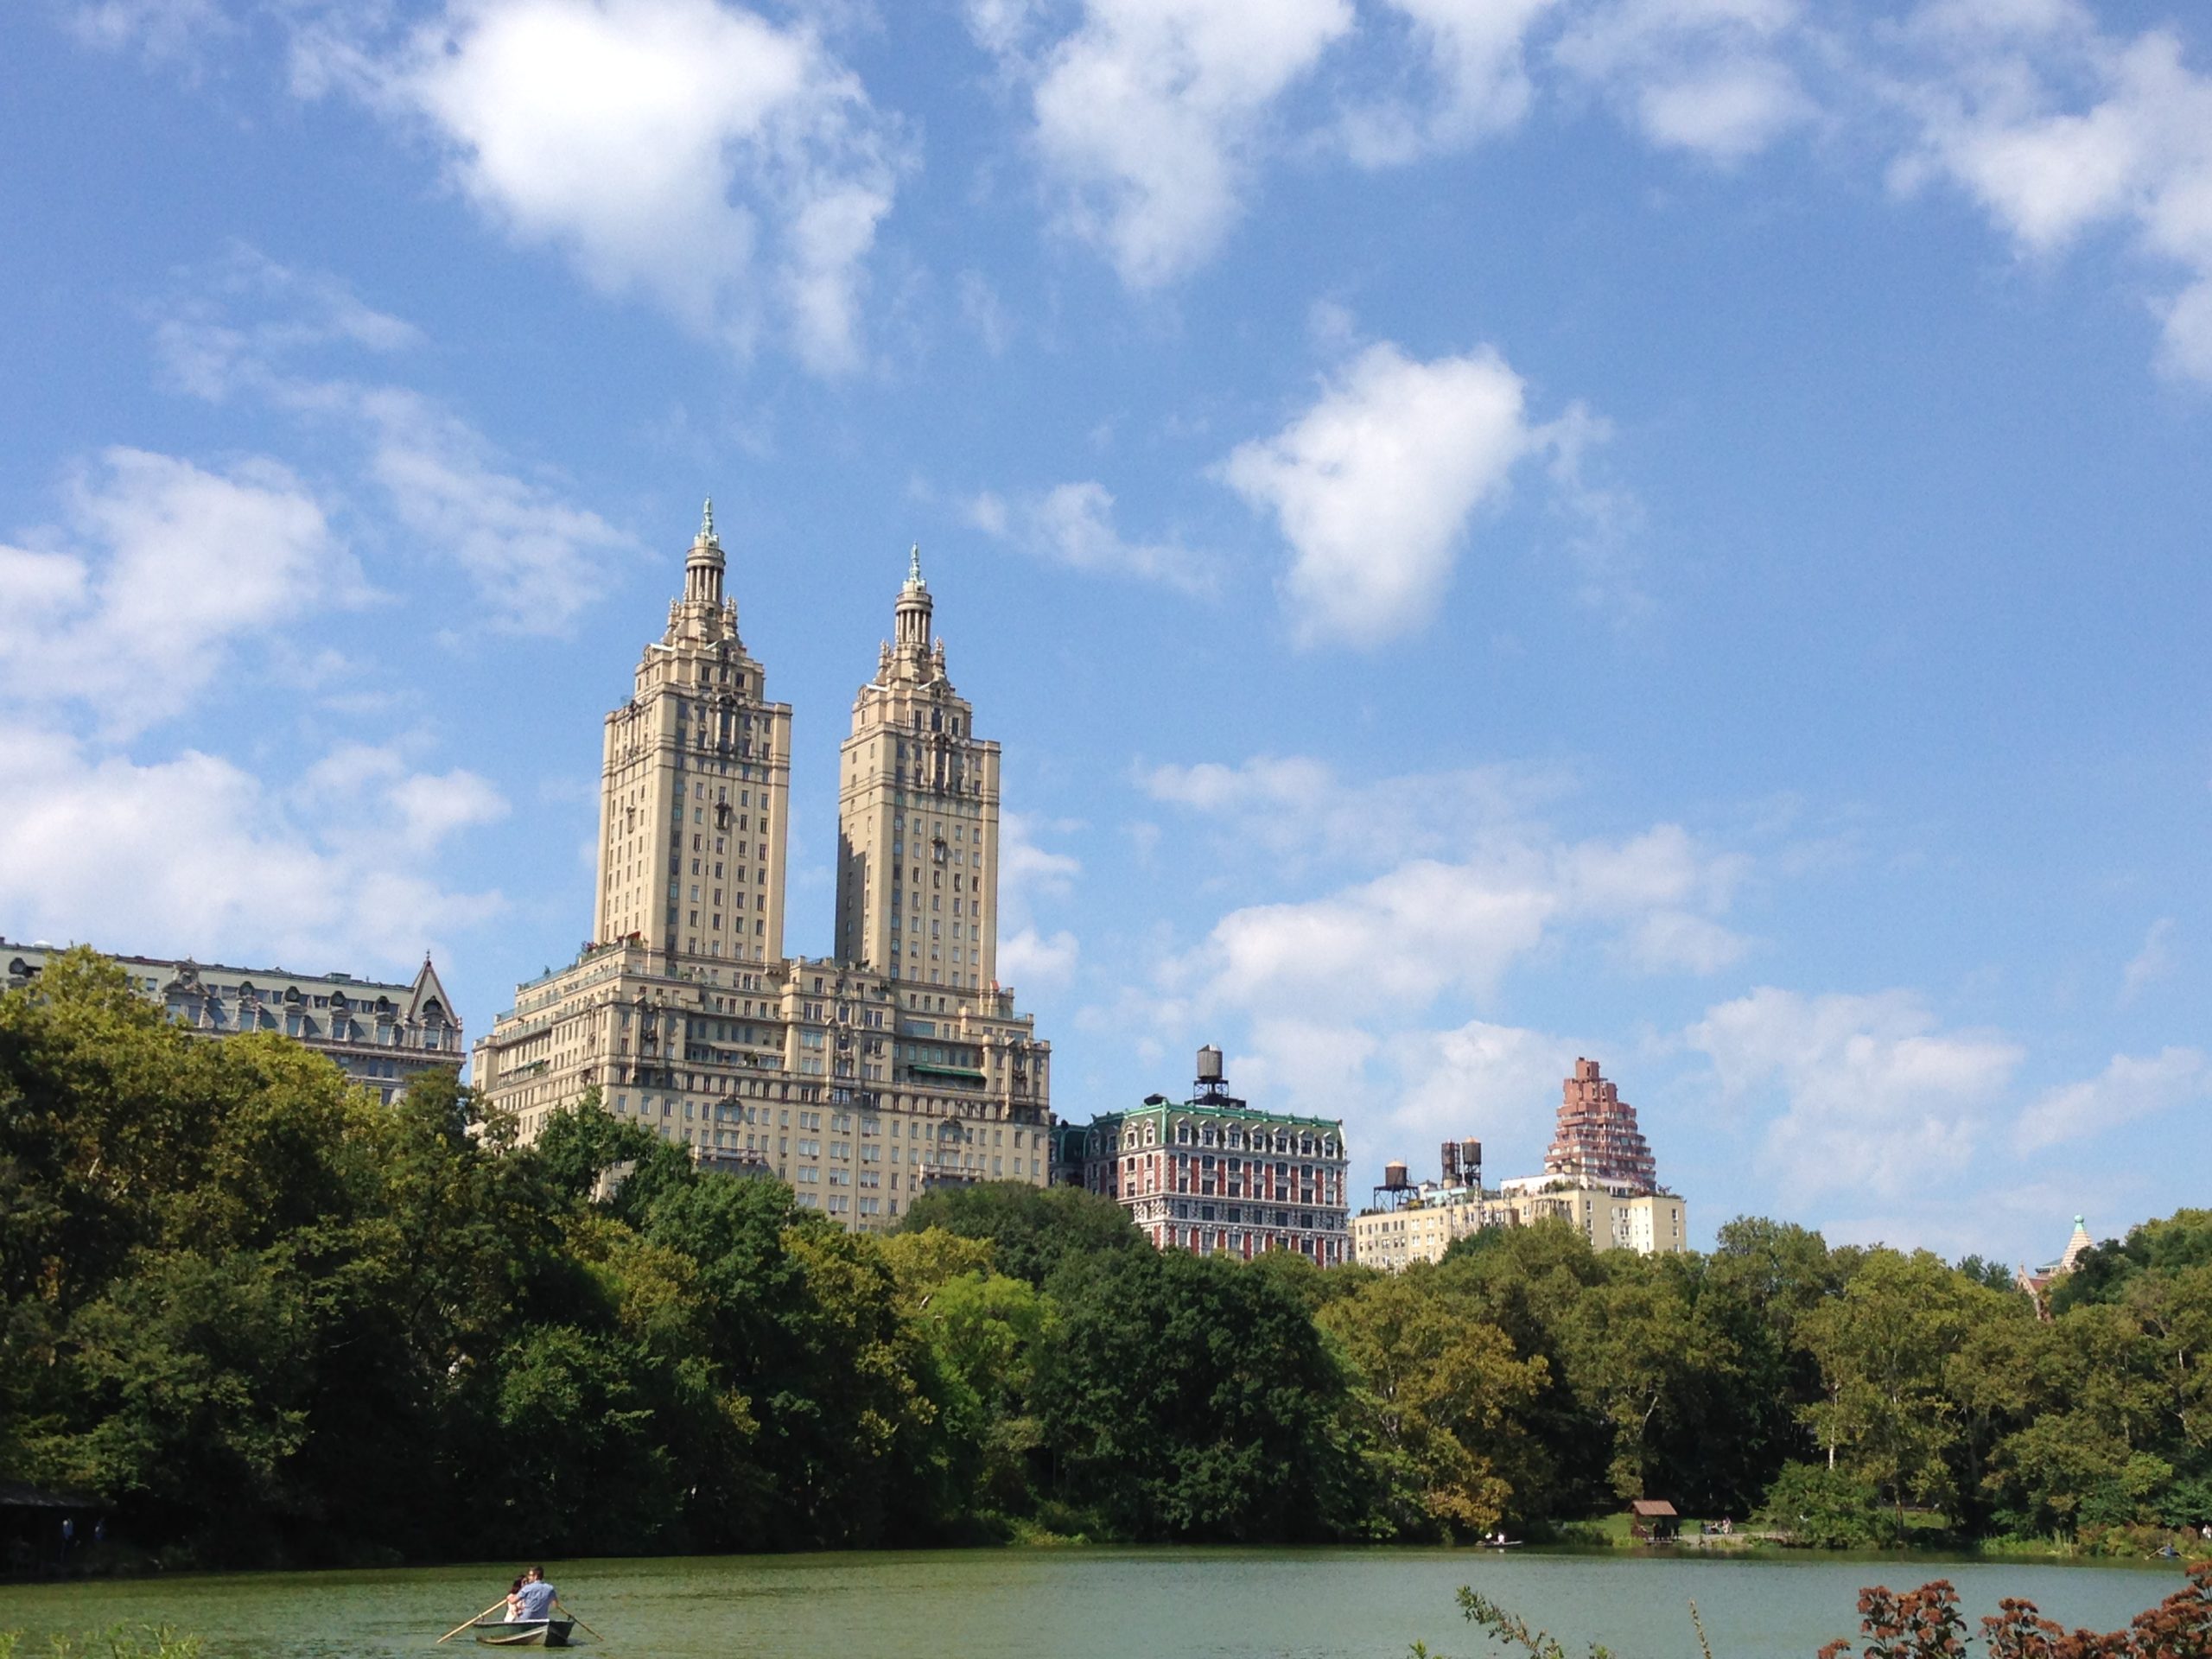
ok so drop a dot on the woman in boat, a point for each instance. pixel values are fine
(514, 1601)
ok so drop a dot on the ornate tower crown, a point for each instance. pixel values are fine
(703, 567)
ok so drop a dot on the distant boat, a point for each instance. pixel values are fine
(526, 1633)
(1499, 1543)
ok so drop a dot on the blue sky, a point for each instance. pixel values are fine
(1490, 530)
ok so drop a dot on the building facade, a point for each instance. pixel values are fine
(1600, 1178)
(864, 1078)
(1217, 1176)
(917, 815)
(1611, 1215)
(1396, 1237)
(381, 1034)
(1596, 1138)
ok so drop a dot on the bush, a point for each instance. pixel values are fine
(1814, 1507)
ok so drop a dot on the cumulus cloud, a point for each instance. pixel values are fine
(1149, 114)
(1874, 1095)
(2056, 128)
(1499, 1081)
(1374, 486)
(1473, 58)
(164, 572)
(192, 854)
(1428, 928)
(1038, 962)
(729, 169)
(1710, 77)
(2127, 1089)
(1073, 525)
(1029, 873)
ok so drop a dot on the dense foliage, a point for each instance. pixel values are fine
(267, 1319)
(1926, 1623)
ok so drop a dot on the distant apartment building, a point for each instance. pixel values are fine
(1407, 1222)
(381, 1034)
(1215, 1175)
(1600, 1178)
(1609, 1214)
(1596, 1138)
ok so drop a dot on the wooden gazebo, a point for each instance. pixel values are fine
(1655, 1520)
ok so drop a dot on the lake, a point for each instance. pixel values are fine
(1076, 1603)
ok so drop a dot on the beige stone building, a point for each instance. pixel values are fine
(918, 816)
(863, 1078)
(1419, 1230)
(382, 1033)
(1611, 1214)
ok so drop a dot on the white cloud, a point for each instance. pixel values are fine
(729, 169)
(167, 571)
(1028, 957)
(2056, 129)
(1429, 928)
(193, 854)
(1294, 807)
(1073, 525)
(1149, 114)
(1705, 76)
(1873, 1096)
(2152, 963)
(211, 354)
(1474, 55)
(535, 559)
(164, 31)
(1374, 486)
(1498, 1083)
(2127, 1089)
(373, 787)
(1037, 962)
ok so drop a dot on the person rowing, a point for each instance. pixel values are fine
(534, 1599)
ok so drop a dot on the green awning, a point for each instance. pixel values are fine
(959, 1071)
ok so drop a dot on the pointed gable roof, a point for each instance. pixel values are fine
(427, 990)
(2080, 1242)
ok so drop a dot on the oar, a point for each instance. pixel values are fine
(466, 1622)
(571, 1612)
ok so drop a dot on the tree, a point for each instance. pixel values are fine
(1032, 1230)
(1443, 1392)
(1188, 1397)
(1881, 1348)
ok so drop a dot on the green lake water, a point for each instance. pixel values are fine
(1075, 1603)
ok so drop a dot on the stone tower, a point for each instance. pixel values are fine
(918, 816)
(1596, 1138)
(695, 792)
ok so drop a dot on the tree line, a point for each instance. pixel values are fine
(267, 1319)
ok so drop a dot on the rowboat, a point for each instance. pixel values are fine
(526, 1633)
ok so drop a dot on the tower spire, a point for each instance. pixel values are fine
(911, 613)
(703, 566)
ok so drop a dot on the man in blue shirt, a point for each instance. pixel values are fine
(535, 1599)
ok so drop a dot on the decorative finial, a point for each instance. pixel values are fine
(914, 565)
(707, 521)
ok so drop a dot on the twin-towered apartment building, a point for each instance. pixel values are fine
(896, 1064)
